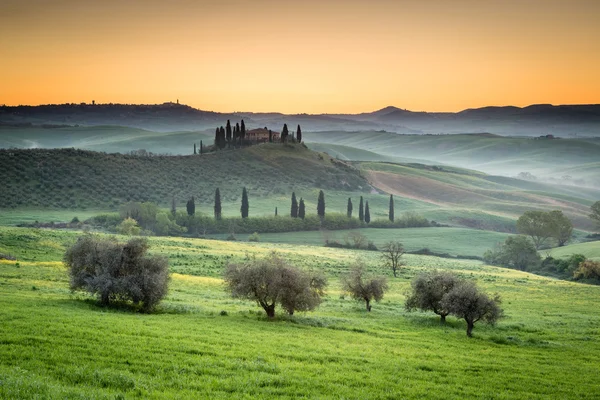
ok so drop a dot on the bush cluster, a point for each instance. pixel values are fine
(117, 271)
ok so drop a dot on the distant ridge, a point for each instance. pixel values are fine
(533, 120)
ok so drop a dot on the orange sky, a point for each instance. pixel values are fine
(301, 56)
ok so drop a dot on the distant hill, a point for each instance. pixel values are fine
(70, 178)
(534, 120)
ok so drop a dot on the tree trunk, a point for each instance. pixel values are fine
(394, 269)
(470, 328)
(104, 299)
(270, 310)
(368, 305)
(442, 319)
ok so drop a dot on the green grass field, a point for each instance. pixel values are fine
(58, 344)
(589, 249)
(454, 241)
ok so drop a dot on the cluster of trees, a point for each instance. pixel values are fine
(272, 281)
(285, 135)
(116, 271)
(541, 226)
(229, 136)
(445, 294)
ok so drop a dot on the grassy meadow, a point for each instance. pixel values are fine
(58, 344)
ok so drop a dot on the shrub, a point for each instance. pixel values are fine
(117, 271)
(363, 288)
(271, 281)
(129, 227)
(587, 270)
(255, 237)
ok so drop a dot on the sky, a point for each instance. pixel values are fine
(336, 56)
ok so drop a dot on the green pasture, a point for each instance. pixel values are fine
(58, 344)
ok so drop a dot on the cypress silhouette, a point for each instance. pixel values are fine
(391, 212)
(228, 132)
(301, 209)
(367, 213)
(349, 208)
(275, 211)
(173, 208)
(217, 204)
(195, 148)
(284, 133)
(299, 134)
(245, 206)
(191, 206)
(361, 210)
(294, 210)
(242, 132)
(201, 147)
(321, 204)
(270, 136)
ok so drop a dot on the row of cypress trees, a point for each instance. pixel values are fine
(298, 208)
(364, 215)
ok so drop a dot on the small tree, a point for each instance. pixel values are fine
(587, 269)
(275, 211)
(467, 302)
(301, 209)
(321, 204)
(191, 206)
(361, 210)
(595, 214)
(217, 204)
(129, 227)
(228, 132)
(537, 225)
(562, 227)
(367, 213)
(349, 208)
(392, 256)
(299, 134)
(245, 206)
(284, 133)
(117, 271)
(271, 281)
(428, 290)
(242, 132)
(294, 209)
(195, 148)
(362, 288)
(391, 210)
(516, 252)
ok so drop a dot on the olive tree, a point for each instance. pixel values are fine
(466, 301)
(117, 271)
(364, 288)
(427, 292)
(595, 212)
(538, 225)
(392, 256)
(271, 280)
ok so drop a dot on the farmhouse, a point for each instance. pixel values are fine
(261, 135)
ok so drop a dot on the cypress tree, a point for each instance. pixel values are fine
(367, 213)
(245, 206)
(299, 134)
(191, 206)
(173, 208)
(228, 132)
(349, 208)
(217, 204)
(284, 133)
(321, 204)
(301, 209)
(195, 148)
(275, 211)
(391, 212)
(201, 147)
(217, 138)
(242, 132)
(361, 210)
(294, 211)
(270, 136)
(222, 141)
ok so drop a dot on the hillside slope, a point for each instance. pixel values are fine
(83, 179)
